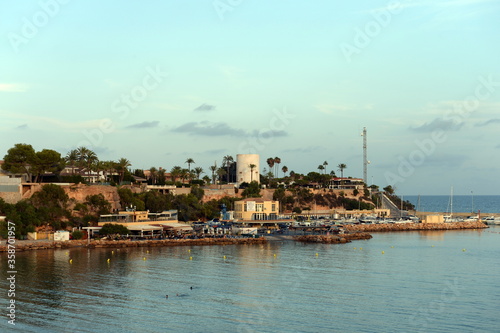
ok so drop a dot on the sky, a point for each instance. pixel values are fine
(158, 82)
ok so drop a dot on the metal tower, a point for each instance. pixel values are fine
(365, 157)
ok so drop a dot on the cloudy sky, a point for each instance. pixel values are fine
(158, 82)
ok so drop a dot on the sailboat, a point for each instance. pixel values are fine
(450, 218)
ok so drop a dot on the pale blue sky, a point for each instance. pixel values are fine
(226, 69)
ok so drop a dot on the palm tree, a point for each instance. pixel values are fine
(341, 167)
(251, 166)
(321, 167)
(226, 161)
(220, 172)
(198, 171)
(161, 176)
(270, 162)
(277, 160)
(189, 161)
(185, 173)
(285, 170)
(86, 158)
(325, 163)
(213, 168)
(153, 172)
(206, 179)
(121, 167)
(71, 159)
(175, 173)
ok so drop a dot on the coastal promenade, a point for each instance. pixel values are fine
(44, 245)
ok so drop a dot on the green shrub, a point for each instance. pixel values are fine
(77, 234)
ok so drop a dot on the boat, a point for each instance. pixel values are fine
(450, 218)
(492, 220)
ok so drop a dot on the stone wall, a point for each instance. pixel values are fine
(415, 226)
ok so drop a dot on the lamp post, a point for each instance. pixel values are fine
(472, 194)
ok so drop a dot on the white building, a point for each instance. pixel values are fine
(244, 171)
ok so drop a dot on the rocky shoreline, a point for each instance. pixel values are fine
(333, 239)
(414, 226)
(44, 245)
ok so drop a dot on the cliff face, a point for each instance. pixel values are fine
(80, 192)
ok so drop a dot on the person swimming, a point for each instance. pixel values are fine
(166, 296)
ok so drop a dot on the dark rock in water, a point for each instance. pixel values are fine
(333, 239)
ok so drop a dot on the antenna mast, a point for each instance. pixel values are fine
(365, 157)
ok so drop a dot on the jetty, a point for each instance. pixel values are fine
(385, 227)
(45, 245)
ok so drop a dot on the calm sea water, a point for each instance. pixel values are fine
(424, 282)
(461, 203)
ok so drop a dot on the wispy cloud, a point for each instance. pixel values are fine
(12, 87)
(145, 124)
(205, 128)
(47, 122)
(438, 124)
(489, 122)
(22, 127)
(205, 107)
(304, 149)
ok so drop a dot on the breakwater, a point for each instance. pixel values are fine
(44, 245)
(176, 242)
(414, 226)
(333, 239)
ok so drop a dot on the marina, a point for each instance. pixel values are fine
(374, 285)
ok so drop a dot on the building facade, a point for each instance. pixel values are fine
(256, 209)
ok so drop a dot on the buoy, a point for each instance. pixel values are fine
(108, 260)
(317, 254)
(189, 250)
(112, 252)
(392, 247)
(67, 252)
(71, 261)
(355, 248)
(432, 245)
(224, 257)
(275, 254)
(147, 251)
(144, 258)
(383, 252)
(463, 250)
(190, 258)
(361, 248)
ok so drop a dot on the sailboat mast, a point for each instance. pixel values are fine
(451, 202)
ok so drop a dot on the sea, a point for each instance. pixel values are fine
(419, 281)
(457, 203)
